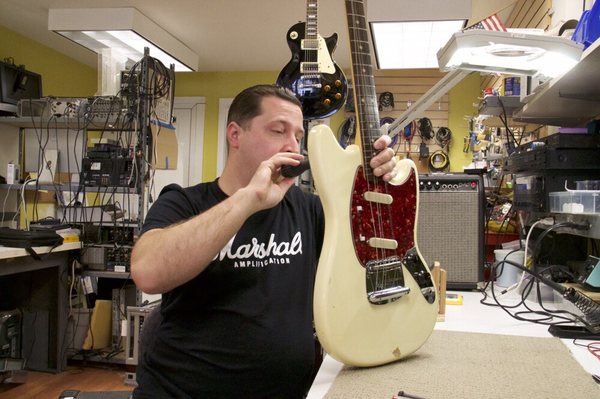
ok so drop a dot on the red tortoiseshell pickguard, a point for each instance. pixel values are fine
(394, 221)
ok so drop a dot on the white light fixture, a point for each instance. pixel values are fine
(123, 30)
(511, 53)
(478, 50)
(411, 44)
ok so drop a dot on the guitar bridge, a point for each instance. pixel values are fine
(385, 280)
(309, 82)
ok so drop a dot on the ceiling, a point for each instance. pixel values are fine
(229, 35)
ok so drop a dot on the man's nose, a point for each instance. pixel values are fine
(292, 145)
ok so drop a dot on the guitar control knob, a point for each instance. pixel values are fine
(338, 82)
(327, 88)
(327, 102)
(338, 96)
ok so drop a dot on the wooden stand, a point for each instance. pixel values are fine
(439, 279)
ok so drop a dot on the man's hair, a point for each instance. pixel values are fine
(247, 104)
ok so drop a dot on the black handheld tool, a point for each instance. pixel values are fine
(293, 171)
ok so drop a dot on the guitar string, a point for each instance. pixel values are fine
(360, 84)
(309, 46)
(358, 99)
(385, 232)
(377, 223)
(383, 212)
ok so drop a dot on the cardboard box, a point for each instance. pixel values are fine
(42, 196)
(165, 140)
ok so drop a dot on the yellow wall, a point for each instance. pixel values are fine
(461, 100)
(61, 75)
(216, 85)
(213, 86)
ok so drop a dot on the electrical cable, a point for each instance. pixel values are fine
(438, 161)
(504, 119)
(589, 309)
(517, 285)
(409, 134)
(425, 128)
(348, 131)
(4, 203)
(386, 101)
(123, 127)
(443, 136)
(544, 316)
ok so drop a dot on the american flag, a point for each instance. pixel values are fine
(490, 23)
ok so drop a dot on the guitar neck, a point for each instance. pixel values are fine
(311, 33)
(367, 115)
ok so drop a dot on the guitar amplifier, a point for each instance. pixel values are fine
(451, 226)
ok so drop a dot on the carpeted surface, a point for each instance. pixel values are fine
(473, 365)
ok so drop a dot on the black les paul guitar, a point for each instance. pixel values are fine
(311, 74)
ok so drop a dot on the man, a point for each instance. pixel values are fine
(235, 261)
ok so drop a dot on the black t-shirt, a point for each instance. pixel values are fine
(243, 327)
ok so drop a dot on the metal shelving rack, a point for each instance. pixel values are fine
(143, 112)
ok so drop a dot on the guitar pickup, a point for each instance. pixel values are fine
(379, 198)
(325, 63)
(309, 67)
(382, 243)
(310, 44)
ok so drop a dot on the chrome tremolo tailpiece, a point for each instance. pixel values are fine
(385, 280)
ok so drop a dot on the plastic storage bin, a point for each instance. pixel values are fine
(575, 202)
(588, 28)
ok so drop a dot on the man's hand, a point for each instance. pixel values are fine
(384, 162)
(268, 185)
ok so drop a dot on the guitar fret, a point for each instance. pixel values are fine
(365, 80)
(359, 34)
(362, 70)
(311, 20)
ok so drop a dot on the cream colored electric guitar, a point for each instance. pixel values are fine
(375, 301)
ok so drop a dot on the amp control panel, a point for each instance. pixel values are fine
(449, 182)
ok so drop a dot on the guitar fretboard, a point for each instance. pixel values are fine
(367, 114)
(312, 32)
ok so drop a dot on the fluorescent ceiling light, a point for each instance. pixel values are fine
(509, 53)
(125, 30)
(411, 44)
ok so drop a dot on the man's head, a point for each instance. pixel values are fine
(247, 104)
(263, 120)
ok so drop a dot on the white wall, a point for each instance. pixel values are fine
(565, 10)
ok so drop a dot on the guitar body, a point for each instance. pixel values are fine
(353, 328)
(313, 76)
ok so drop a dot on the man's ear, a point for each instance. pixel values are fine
(233, 133)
